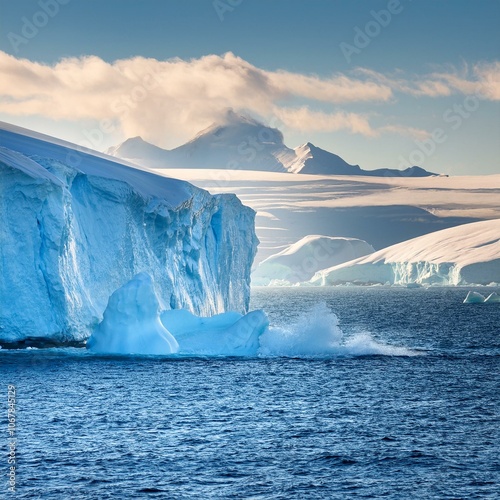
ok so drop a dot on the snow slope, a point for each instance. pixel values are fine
(236, 143)
(243, 143)
(76, 226)
(467, 254)
(300, 261)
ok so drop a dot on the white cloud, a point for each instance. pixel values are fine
(337, 89)
(164, 101)
(304, 119)
(167, 102)
(481, 80)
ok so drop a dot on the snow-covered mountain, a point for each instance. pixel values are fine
(300, 261)
(237, 143)
(466, 254)
(242, 143)
(75, 227)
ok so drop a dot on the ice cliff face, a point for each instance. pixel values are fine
(75, 227)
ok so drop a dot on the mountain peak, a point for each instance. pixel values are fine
(237, 141)
(233, 118)
(134, 148)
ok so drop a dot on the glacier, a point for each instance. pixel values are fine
(466, 254)
(77, 225)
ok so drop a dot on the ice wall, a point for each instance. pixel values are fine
(70, 236)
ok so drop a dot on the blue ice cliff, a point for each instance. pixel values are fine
(76, 226)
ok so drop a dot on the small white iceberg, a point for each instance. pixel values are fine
(493, 298)
(474, 298)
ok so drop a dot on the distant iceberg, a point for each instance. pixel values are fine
(466, 254)
(300, 261)
(474, 298)
(493, 298)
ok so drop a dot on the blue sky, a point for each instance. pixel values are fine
(433, 57)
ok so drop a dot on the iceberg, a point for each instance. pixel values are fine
(461, 255)
(493, 298)
(75, 226)
(474, 298)
(300, 261)
(131, 323)
(226, 334)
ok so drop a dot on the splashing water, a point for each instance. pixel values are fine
(317, 334)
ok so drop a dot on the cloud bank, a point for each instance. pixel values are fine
(166, 102)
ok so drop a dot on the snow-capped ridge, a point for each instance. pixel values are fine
(240, 142)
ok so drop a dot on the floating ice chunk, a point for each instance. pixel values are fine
(474, 298)
(227, 334)
(131, 323)
(493, 298)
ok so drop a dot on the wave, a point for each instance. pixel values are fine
(317, 333)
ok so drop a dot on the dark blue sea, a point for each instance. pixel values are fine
(402, 403)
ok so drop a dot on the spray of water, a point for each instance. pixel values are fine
(317, 334)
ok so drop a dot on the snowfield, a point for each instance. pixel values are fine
(382, 211)
(468, 254)
(307, 190)
(77, 226)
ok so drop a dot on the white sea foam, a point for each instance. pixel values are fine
(317, 334)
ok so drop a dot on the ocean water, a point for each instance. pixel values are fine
(400, 400)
